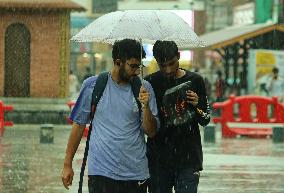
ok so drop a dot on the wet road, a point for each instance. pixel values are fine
(230, 165)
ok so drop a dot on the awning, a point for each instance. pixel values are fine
(40, 5)
(235, 34)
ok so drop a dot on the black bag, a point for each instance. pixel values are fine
(175, 108)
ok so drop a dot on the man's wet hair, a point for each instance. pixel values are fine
(126, 49)
(164, 51)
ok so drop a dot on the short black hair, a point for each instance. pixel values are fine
(126, 49)
(275, 70)
(219, 73)
(164, 50)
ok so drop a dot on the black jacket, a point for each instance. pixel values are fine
(178, 147)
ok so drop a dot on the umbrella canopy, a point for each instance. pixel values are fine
(143, 25)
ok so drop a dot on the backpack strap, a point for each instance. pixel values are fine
(98, 91)
(96, 96)
(135, 86)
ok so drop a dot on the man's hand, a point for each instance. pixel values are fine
(192, 97)
(72, 146)
(144, 97)
(67, 176)
(149, 123)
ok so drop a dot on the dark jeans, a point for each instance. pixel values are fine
(101, 184)
(162, 180)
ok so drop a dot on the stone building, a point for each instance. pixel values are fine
(34, 47)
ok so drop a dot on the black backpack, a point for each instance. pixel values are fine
(98, 91)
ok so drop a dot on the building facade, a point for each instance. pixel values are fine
(34, 48)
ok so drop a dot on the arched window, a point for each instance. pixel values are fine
(17, 61)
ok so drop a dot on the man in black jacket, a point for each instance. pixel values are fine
(175, 153)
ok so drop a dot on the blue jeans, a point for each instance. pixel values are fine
(162, 180)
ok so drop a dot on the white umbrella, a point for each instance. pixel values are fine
(146, 26)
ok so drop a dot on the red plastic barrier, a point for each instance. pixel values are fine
(70, 105)
(4, 123)
(244, 115)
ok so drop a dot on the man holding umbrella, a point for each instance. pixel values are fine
(175, 153)
(117, 161)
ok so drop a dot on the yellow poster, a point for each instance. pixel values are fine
(260, 65)
(265, 61)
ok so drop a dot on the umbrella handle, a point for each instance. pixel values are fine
(141, 58)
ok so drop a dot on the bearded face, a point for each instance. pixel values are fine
(129, 69)
(123, 75)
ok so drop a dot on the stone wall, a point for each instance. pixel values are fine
(48, 70)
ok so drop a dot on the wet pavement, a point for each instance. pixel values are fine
(230, 165)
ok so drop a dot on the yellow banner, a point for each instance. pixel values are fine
(265, 58)
(265, 61)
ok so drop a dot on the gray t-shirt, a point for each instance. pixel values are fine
(117, 145)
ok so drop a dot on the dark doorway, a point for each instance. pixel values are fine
(17, 61)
